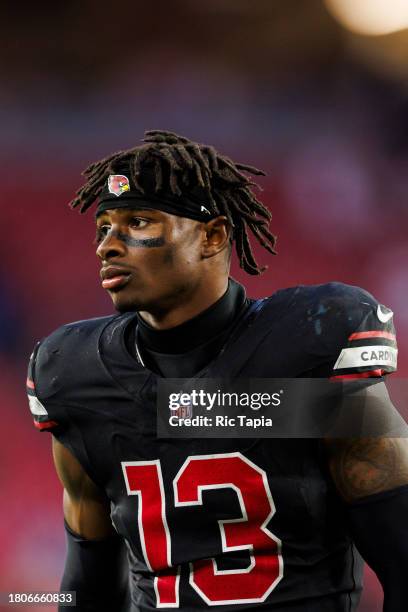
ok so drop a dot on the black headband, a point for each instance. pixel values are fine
(119, 193)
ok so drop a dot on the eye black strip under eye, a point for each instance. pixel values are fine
(139, 242)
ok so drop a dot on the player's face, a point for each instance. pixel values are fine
(150, 259)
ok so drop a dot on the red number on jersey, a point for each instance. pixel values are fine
(144, 479)
(248, 532)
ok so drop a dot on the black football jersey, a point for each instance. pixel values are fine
(223, 523)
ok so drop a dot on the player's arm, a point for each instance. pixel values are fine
(86, 509)
(368, 466)
(96, 563)
(371, 475)
(370, 469)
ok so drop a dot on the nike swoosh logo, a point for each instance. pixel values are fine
(384, 316)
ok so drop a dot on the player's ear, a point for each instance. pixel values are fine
(216, 235)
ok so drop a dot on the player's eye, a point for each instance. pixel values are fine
(138, 222)
(101, 233)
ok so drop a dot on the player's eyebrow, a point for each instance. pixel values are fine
(129, 213)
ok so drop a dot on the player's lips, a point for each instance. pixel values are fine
(114, 277)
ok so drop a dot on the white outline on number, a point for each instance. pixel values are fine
(155, 462)
(221, 523)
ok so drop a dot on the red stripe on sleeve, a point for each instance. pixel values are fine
(369, 374)
(45, 424)
(372, 334)
(30, 383)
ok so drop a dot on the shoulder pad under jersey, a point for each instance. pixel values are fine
(347, 327)
(65, 359)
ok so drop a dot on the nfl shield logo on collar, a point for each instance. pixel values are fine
(118, 184)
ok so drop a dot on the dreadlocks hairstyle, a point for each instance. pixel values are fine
(181, 165)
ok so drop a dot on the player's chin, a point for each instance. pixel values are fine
(124, 301)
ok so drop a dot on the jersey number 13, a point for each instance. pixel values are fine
(248, 532)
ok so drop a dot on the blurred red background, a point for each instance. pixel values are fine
(280, 85)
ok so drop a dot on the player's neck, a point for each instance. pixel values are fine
(197, 330)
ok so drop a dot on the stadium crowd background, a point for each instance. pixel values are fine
(281, 85)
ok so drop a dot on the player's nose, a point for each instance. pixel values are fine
(111, 246)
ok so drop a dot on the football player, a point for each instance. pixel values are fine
(233, 524)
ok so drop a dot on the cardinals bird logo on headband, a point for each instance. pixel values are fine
(118, 184)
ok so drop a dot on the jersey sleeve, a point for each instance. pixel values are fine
(369, 348)
(45, 417)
